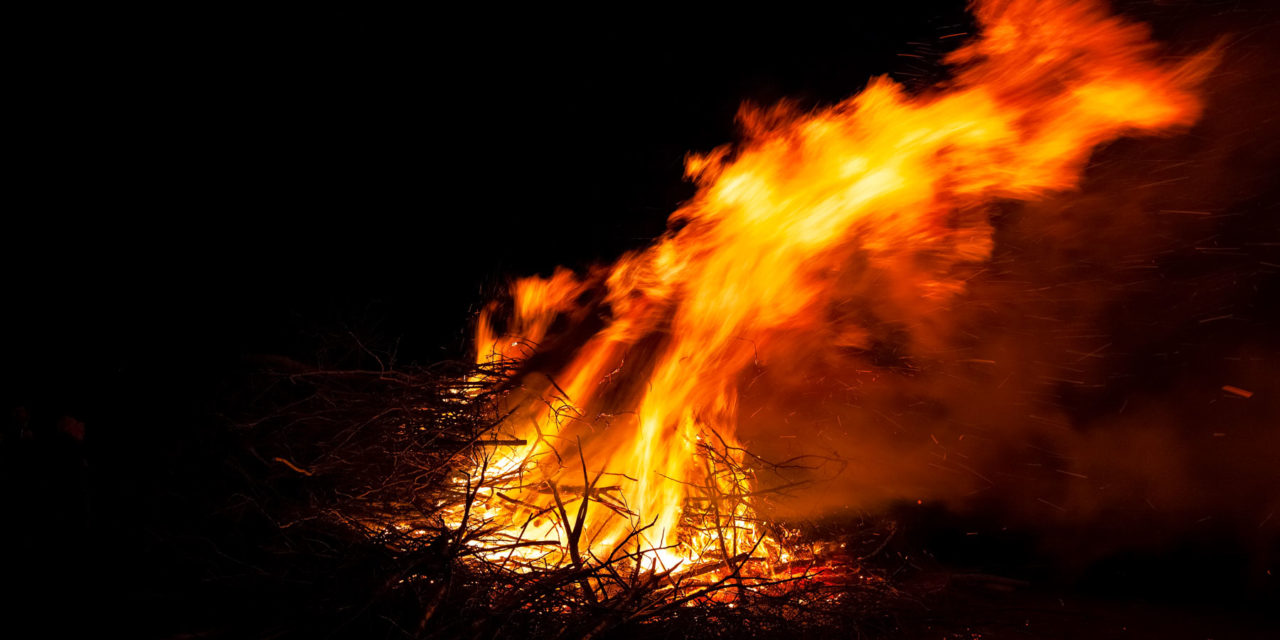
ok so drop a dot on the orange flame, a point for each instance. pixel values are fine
(632, 441)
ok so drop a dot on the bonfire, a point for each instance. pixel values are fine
(588, 462)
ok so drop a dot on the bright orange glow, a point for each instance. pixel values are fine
(884, 190)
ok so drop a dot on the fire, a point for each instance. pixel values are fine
(628, 433)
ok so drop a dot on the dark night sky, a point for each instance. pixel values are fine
(208, 186)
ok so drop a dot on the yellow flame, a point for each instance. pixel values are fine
(886, 185)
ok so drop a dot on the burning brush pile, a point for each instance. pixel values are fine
(586, 473)
(416, 464)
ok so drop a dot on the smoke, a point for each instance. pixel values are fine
(1092, 377)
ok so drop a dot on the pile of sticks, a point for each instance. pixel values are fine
(385, 460)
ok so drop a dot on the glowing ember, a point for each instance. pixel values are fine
(628, 434)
